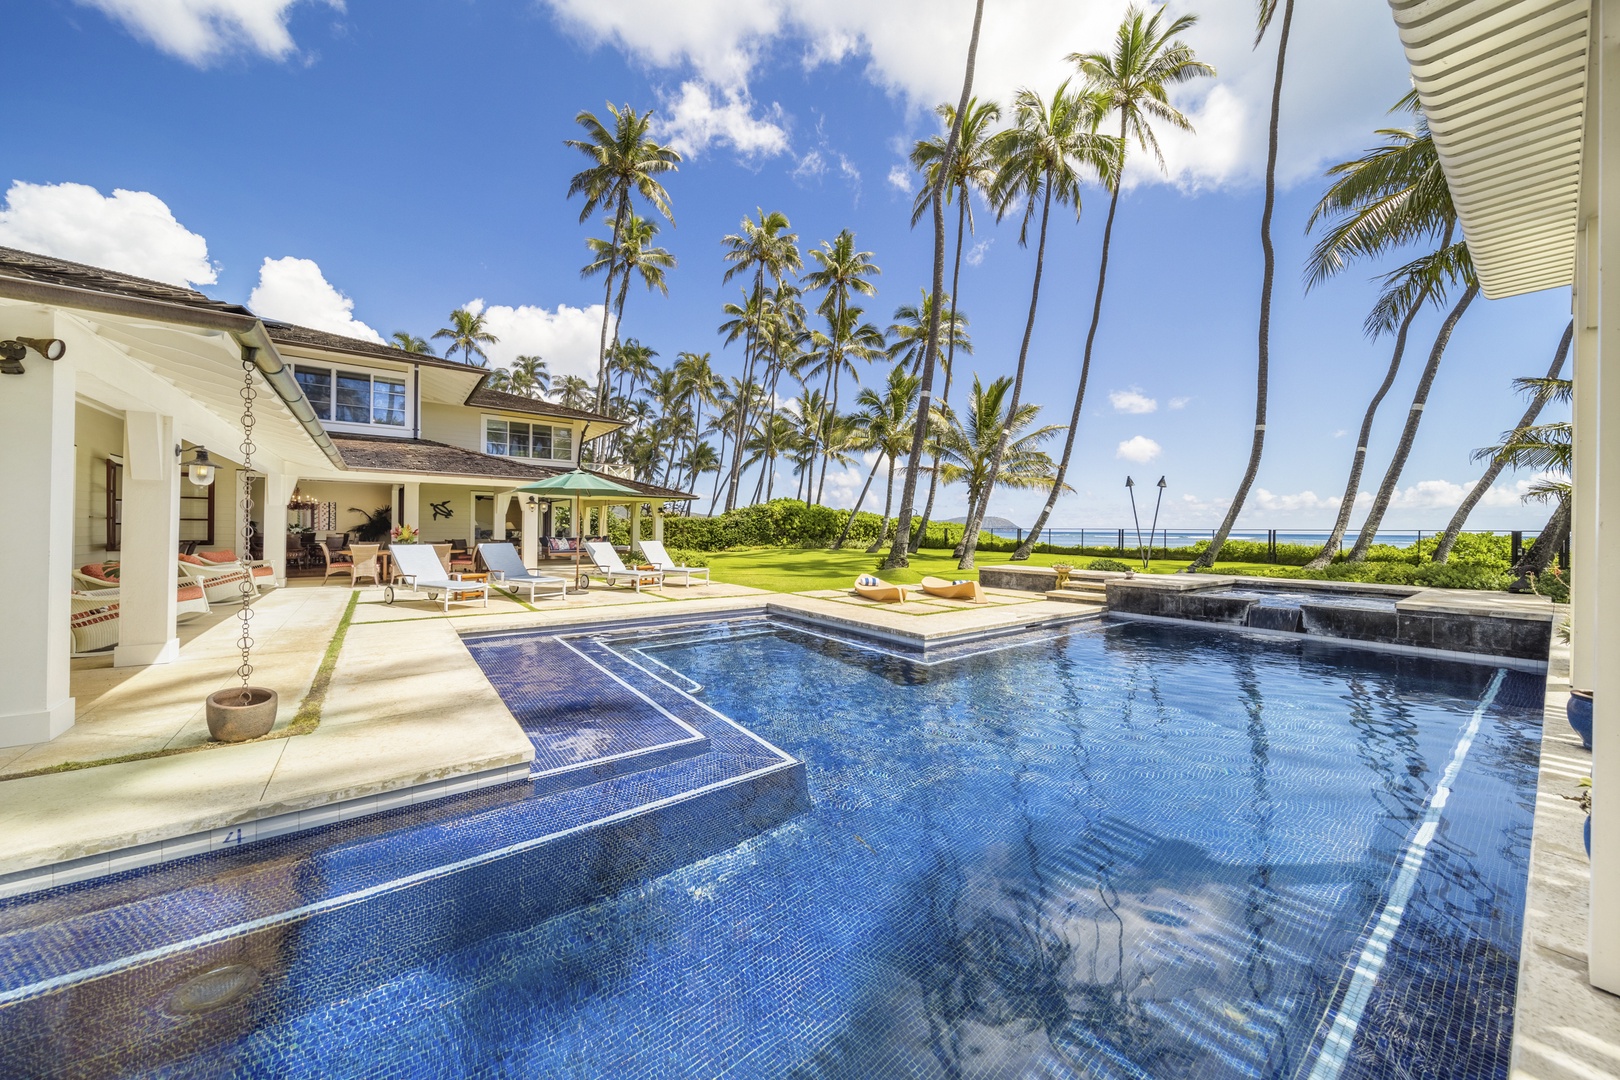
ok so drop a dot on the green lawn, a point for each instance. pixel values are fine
(782, 569)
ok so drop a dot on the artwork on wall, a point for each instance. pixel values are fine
(442, 510)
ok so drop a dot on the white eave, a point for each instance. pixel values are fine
(1503, 86)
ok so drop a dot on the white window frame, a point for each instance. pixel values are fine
(335, 371)
(488, 418)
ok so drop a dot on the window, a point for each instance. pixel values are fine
(353, 397)
(514, 438)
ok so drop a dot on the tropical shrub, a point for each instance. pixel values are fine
(1107, 564)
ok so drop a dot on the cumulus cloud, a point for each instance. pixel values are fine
(201, 32)
(1345, 64)
(702, 115)
(1138, 448)
(568, 338)
(130, 231)
(900, 179)
(294, 290)
(844, 483)
(1132, 401)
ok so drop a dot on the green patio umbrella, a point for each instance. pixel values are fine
(577, 483)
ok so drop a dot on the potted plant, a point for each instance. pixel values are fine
(1579, 711)
(1585, 801)
(1063, 570)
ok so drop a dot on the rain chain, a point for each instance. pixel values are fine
(245, 504)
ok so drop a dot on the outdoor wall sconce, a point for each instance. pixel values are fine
(12, 352)
(201, 470)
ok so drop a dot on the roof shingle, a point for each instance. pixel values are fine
(383, 453)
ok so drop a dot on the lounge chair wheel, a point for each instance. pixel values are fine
(388, 594)
(432, 595)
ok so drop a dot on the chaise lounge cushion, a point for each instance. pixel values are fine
(101, 571)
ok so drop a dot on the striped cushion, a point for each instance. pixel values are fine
(262, 571)
(100, 571)
(81, 619)
(867, 579)
(193, 560)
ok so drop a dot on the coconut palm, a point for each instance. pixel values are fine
(890, 418)
(635, 255)
(1541, 391)
(700, 386)
(574, 392)
(1042, 158)
(841, 271)
(993, 445)
(835, 352)
(1268, 273)
(1550, 449)
(763, 247)
(908, 337)
(528, 377)
(701, 458)
(898, 554)
(624, 161)
(405, 341)
(468, 333)
(1148, 57)
(1390, 197)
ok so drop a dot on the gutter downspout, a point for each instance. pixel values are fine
(248, 331)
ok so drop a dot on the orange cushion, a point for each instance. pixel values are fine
(217, 556)
(100, 571)
(193, 560)
(189, 591)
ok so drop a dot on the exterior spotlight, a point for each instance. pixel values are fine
(201, 470)
(13, 351)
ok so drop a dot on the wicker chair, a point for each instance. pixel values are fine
(337, 562)
(364, 564)
(264, 575)
(221, 582)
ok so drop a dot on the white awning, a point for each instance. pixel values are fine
(1503, 85)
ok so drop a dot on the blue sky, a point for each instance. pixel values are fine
(406, 158)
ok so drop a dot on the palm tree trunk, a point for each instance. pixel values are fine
(1542, 553)
(1414, 415)
(962, 542)
(950, 367)
(844, 535)
(607, 300)
(1268, 273)
(1352, 486)
(750, 343)
(821, 484)
(898, 554)
(977, 514)
(1443, 549)
(714, 498)
(1023, 549)
(888, 506)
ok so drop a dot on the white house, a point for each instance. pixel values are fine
(94, 447)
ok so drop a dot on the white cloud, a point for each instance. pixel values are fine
(975, 254)
(1132, 401)
(130, 231)
(1345, 65)
(702, 115)
(1180, 402)
(568, 338)
(1341, 433)
(1138, 448)
(900, 179)
(202, 31)
(811, 167)
(294, 290)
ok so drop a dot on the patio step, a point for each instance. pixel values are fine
(1081, 592)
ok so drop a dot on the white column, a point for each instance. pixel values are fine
(36, 487)
(531, 531)
(658, 522)
(635, 527)
(413, 505)
(151, 541)
(278, 489)
(1583, 523)
(1603, 927)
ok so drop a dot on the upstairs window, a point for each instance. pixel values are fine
(353, 397)
(517, 438)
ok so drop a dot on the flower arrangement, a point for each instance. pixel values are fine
(405, 534)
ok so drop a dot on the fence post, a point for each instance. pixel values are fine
(1122, 540)
(1515, 547)
(1020, 531)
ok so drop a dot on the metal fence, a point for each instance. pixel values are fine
(1129, 541)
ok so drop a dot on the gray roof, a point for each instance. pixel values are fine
(384, 453)
(34, 267)
(498, 399)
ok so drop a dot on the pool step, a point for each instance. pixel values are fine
(1081, 591)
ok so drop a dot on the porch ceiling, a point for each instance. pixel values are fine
(1503, 85)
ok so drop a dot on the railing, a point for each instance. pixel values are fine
(1128, 542)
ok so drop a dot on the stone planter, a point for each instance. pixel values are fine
(241, 713)
(1579, 711)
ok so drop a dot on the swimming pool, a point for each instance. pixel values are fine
(1133, 850)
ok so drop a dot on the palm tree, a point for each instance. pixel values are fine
(1541, 391)
(405, 341)
(634, 255)
(908, 336)
(624, 160)
(1040, 157)
(700, 459)
(898, 554)
(847, 339)
(528, 377)
(700, 386)
(890, 418)
(842, 270)
(1268, 272)
(994, 445)
(1394, 195)
(762, 247)
(1147, 58)
(1549, 448)
(574, 392)
(467, 333)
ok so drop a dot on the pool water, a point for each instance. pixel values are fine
(1132, 850)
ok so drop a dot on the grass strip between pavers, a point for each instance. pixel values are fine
(304, 721)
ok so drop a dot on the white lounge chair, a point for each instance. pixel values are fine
(506, 567)
(221, 582)
(612, 570)
(417, 568)
(655, 553)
